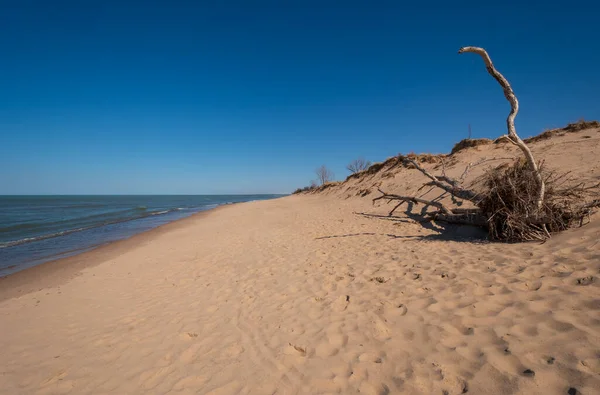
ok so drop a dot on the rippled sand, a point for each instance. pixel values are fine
(304, 295)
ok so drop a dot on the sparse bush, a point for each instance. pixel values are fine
(578, 126)
(311, 187)
(358, 165)
(327, 185)
(508, 202)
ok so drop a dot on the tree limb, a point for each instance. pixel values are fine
(510, 120)
(455, 216)
(449, 186)
(416, 200)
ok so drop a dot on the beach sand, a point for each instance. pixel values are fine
(305, 294)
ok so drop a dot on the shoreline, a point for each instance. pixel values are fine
(56, 272)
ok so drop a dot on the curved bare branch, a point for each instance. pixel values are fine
(510, 120)
(451, 188)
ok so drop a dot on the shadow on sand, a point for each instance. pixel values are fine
(442, 231)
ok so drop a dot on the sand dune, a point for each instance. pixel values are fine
(305, 294)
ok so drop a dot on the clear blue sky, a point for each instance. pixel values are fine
(124, 97)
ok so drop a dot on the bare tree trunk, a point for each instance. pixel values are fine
(510, 121)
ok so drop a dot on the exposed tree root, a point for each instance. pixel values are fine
(506, 204)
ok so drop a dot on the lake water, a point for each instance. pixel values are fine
(37, 229)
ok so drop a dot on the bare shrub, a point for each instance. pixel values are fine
(358, 165)
(326, 186)
(422, 158)
(324, 175)
(508, 202)
(575, 127)
(310, 188)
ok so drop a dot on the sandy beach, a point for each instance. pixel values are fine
(300, 295)
(314, 294)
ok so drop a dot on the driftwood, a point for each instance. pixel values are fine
(412, 199)
(510, 120)
(518, 202)
(449, 185)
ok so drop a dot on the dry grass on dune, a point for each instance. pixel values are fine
(463, 146)
(507, 207)
(570, 128)
(396, 161)
(469, 143)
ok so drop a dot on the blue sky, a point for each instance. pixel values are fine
(125, 97)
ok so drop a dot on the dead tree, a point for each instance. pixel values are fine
(513, 201)
(324, 175)
(510, 120)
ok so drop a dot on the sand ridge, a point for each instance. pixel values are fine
(304, 295)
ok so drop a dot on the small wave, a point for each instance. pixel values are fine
(161, 212)
(69, 231)
(43, 237)
(124, 214)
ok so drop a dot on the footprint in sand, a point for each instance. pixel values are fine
(455, 384)
(341, 303)
(381, 330)
(528, 373)
(592, 365)
(338, 340)
(371, 357)
(294, 349)
(233, 351)
(533, 285)
(380, 280)
(448, 276)
(402, 309)
(584, 280)
(326, 350)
